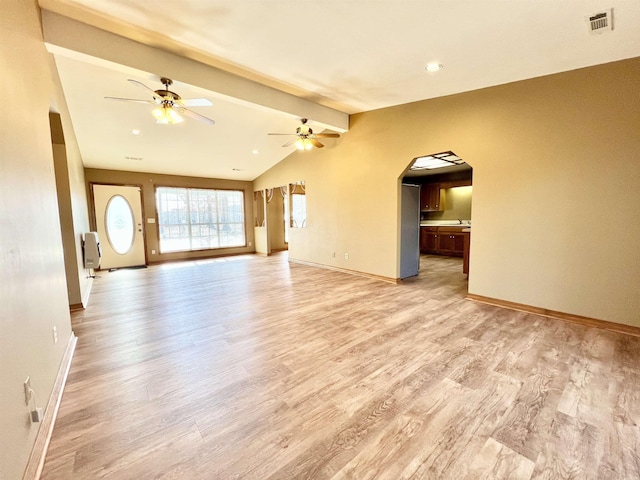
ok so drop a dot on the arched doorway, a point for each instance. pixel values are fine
(445, 217)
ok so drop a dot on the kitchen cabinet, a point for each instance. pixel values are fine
(431, 198)
(428, 239)
(465, 254)
(450, 241)
(442, 240)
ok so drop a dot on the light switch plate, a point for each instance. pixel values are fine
(27, 390)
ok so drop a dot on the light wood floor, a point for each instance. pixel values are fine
(251, 367)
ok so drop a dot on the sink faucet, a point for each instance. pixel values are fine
(460, 221)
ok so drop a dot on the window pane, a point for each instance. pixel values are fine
(199, 219)
(298, 210)
(120, 224)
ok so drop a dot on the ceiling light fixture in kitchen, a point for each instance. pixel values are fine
(436, 160)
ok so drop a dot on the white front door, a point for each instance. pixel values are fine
(119, 225)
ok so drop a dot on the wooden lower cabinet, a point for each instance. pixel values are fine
(428, 239)
(465, 255)
(450, 241)
(442, 240)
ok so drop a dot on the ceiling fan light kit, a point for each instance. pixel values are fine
(303, 144)
(170, 105)
(166, 115)
(306, 138)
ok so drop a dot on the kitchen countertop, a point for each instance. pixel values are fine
(444, 224)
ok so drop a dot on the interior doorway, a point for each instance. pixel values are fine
(276, 218)
(118, 214)
(445, 181)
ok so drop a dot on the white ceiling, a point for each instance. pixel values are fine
(347, 55)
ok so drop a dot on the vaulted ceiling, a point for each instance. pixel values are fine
(265, 64)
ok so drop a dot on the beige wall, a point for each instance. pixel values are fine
(72, 204)
(556, 188)
(261, 240)
(66, 220)
(33, 296)
(352, 189)
(148, 182)
(77, 192)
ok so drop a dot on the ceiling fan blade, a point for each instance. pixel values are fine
(130, 100)
(282, 134)
(327, 135)
(315, 143)
(145, 88)
(194, 115)
(288, 144)
(195, 102)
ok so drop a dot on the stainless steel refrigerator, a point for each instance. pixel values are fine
(410, 231)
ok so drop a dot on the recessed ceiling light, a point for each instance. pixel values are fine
(255, 152)
(136, 132)
(433, 67)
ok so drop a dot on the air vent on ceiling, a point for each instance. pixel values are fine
(600, 22)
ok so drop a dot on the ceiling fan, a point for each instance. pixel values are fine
(306, 139)
(170, 105)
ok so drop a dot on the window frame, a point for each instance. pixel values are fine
(189, 225)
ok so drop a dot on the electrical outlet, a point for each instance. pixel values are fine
(251, 244)
(55, 334)
(27, 390)
(346, 256)
(153, 252)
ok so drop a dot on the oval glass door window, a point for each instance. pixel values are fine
(120, 224)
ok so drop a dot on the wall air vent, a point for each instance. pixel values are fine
(600, 22)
